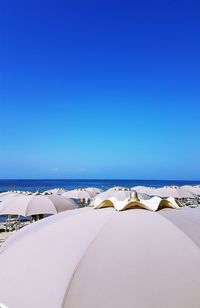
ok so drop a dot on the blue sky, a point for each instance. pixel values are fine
(100, 89)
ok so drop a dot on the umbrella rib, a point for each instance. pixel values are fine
(28, 206)
(179, 228)
(22, 232)
(83, 256)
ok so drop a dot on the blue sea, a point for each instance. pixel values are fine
(42, 185)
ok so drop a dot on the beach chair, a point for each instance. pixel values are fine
(2, 227)
(13, 223)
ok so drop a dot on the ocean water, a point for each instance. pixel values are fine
(42, 185)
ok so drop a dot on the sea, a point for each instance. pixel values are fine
(42, 185)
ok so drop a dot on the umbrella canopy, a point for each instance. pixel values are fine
(143, 196)
(94, 190)
(27, 193)
(193, 189)
(34, 205)
(152, 204)
(55, 191)
(118, 188)
(78, 194)
(133, 258)
(8, 195)
(120, 194)
(143, 189)
(176, 192)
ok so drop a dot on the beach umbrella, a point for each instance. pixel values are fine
(36, 193)
(89, 258)
(152, 204)
(35, 204)
(176, 192)
(119, 194)
(78, 194)
(94, 190)
(143, 196)
(193, 189)
(27, 193)
(55, 191)
(8, 195)
(118, 188)
(143, 189)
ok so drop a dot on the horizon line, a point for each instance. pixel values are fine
(93, 179)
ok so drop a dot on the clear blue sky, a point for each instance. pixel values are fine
(100, 89)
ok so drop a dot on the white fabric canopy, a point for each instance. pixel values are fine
(193, 189)
(176, 192)
(120, 195)
(89, 258)
(8, 195)
(33, 205)
(78, 194)
(152, 204)
(143, 189)
(94, 189)
(55, 191)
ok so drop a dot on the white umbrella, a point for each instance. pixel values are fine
(143, 196)
(77, 194)
(27, 193)
(34, 205)
(119, 188)
(193, 189)
(120, 194)
(94, 190)
(133, 201)
(55, 191)
(176, 192)
(8, 195)
(90, 258)
(143, 189)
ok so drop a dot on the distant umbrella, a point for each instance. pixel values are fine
(93, 189)
(34, 205)
(143, 189)
(176, 192)
(55, 191)
(37, 193)
(8, 195)
(120, 194)
(143, 196)
(47, 193)
(193, 189)
(27, 193)
(119, 188)
(77, 194)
